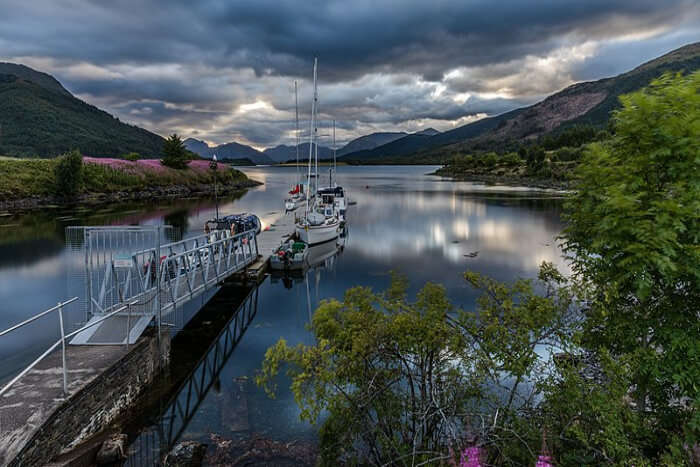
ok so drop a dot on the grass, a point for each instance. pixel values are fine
(24, 178)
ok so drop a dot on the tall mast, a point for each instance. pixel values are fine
(334, 164)
(318, 179)
(311, 134)
(296, 133)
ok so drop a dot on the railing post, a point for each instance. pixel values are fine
(128, 324)
(63, 349)
(158, 303)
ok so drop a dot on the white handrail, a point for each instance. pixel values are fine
(59, 342)
(35, 317)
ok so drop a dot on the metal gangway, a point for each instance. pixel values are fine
(129, 267)
(153, 443)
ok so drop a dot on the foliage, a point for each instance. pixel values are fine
(175, 155)
(535, 158)
(572, 136)
(567, 154)
(402, 381)
(633, 232)
(69, 174)
(511, 159)
(132, 156)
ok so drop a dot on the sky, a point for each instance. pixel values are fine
(224, 70)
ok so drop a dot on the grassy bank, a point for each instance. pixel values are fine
(35, 178)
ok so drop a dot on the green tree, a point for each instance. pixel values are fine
(634, 233)
(535, 158)
(69, 174)
(511, 159)
(132, 156)
(402, 381)
(174, 153)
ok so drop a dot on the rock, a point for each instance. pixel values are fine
(186, 454)
(113, 450)
(261, 452)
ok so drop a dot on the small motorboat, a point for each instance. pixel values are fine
(235, 223)
(290, 255)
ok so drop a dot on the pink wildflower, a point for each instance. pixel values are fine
(471, 457)
(544, 461)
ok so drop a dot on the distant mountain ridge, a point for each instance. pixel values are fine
(39, 117)
(284, 153)
(370, 141)
(231, 150)
(588, 103)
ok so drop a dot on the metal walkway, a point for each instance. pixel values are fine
(152, 282)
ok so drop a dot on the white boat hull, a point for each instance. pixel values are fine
(314, 234)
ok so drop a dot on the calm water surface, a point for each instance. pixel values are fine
(404, 220)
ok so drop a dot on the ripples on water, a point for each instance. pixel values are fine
(404, 220)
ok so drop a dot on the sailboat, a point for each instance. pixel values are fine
(333, 195)
(319, 223)
(297, 195)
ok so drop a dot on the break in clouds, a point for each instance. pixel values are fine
(223, 70)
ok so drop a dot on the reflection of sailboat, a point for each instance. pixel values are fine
(321, 258)
(297, 192)
(320, 254)
(319, 223)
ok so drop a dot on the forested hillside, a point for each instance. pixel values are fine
(38, 117)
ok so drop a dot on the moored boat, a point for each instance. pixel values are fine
(290, 255)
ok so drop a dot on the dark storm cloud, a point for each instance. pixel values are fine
(189, 66)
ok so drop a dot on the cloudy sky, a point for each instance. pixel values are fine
(223, 70)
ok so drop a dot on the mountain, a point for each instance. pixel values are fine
(587, 103)
(231, 150)
(284, 153)
(370, 141)
(39, 117)
(427, 132)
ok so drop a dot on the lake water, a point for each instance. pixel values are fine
(404, 220)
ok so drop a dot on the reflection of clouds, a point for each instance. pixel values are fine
(460, 228)
(393, 223)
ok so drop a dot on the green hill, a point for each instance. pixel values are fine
(38, 117)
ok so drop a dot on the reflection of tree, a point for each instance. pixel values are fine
(179, 219)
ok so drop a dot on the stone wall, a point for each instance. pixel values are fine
(96, 405)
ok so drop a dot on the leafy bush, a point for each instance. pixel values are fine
(535, 158)
(69, 174)
(567, 154)
(489, 159)
(632, 231)
(132, 156)
(511, 159)
(174, 153)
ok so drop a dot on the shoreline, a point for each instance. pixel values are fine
(508, 180)
(33, 203)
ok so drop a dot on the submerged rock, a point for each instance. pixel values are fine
(186, 454)
(259, 451)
